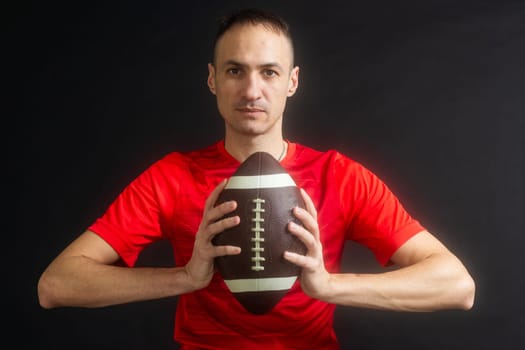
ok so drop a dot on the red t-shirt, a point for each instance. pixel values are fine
(166, 202)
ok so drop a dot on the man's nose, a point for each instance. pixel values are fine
(252, 87)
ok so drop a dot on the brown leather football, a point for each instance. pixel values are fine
(259, 277)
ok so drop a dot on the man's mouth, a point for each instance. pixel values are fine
(250, 110)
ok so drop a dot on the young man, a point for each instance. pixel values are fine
(252, 75)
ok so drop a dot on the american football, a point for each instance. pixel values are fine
(259, 276)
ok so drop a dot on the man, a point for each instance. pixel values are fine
(252, 75)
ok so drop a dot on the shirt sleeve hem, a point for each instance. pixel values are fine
(103, 230)
(397, 240)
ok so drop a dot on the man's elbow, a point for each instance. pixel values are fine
(465, 293)
(45, 292)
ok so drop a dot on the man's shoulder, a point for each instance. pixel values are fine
(209, 152)
(331, 160)
(199, 160)
(330, 155)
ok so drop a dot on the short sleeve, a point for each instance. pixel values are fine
(378, 221)
(131, 221)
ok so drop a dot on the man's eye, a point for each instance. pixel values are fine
(270, 73)
(234, 71)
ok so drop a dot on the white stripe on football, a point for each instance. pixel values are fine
(260, 181)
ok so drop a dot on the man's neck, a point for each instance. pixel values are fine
(242, 148)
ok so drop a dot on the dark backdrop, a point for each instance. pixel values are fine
(428, 94)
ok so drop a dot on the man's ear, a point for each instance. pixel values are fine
(294, 81)
(211, 78)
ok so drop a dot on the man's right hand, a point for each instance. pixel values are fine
(200, 268)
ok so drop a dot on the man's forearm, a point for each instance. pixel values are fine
(82, 282)
(438, 282)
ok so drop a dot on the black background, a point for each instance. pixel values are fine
(428, 94)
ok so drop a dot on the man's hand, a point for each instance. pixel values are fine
(314, 277)
(201, 265)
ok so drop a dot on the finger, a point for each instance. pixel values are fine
(221, 225)
(214, 195)
(309, 222)
(302, 261)
(223, 250)
(309, 204)
(304, 236)
(216, 213)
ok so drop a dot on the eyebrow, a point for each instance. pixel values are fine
(266, 65)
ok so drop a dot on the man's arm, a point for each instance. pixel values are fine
(430, 277)
(84, 274)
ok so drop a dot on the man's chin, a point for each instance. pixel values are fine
(252, 126)
(250, 130)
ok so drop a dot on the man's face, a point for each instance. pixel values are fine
(252, 77)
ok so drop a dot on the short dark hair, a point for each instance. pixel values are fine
(253, 16)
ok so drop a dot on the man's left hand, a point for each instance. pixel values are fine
(314, 277)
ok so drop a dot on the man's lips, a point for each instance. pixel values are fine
(250, 110)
